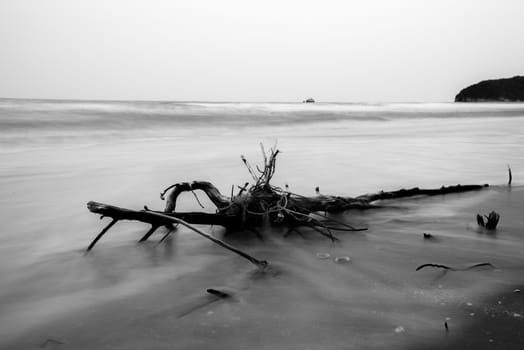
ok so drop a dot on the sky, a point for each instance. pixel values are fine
(243, 50)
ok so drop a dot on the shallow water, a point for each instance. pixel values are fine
(56, 156)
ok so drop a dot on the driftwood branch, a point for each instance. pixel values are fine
(321, 203)
(156, 220)
(208, 188)
(147, 216)
(403, 193)
(114, 221)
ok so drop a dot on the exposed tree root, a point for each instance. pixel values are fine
(258, 205)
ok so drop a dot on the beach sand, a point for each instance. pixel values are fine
(128, 296)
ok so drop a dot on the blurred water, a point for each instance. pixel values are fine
(431, 143)
(57, 155)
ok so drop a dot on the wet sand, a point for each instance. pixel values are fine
(128, 296)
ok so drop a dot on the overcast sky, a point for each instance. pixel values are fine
(211, 50)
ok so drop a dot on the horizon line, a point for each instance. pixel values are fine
(215, 101)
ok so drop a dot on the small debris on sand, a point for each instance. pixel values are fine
(342, 259)
(399, 329)
(51, 342)
(218, 293)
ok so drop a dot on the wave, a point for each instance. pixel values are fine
(123, 114)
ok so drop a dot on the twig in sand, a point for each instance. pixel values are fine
(455, 269)
(51, 341)
(218, 293)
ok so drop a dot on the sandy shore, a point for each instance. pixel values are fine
(123, 295)
(128, 296)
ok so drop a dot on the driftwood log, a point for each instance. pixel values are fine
(258, 205)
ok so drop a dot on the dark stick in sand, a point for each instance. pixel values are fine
(455, 269)
(220, 296)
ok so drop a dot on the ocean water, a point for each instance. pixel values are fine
(375, 145)
(57, 155)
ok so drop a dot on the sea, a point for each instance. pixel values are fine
(56, 155)
(370, 146)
